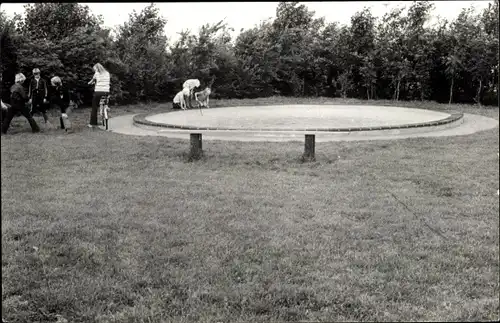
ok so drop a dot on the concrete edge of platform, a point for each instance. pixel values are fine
(469, 124)
(141, 119)
(267, 133)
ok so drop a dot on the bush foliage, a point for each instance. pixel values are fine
(400, 56)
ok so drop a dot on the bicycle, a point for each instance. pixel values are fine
(104, 110)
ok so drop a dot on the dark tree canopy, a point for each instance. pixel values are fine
(399, 56)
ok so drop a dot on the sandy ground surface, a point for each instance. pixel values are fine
(296, 117)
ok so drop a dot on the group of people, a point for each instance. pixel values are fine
(39, 98)
(187, 95)
(35, 101)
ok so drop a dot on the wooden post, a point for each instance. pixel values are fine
(196, 146)
(309, 148)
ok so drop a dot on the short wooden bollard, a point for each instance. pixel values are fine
(196, 151)
(309, 148)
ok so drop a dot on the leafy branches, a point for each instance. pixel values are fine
(399, 56)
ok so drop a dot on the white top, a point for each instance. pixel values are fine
(191, 84)
(102, 82)
(178, 97)
(203, 95)
(186, 91)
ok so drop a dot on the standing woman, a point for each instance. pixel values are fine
(59, 98)
(101, 80)
(18, 100)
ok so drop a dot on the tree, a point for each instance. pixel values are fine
(293, 34)
(39, 53)
(204, 51)
(404, 70)
(327, 62)
(258, 57)
(295, 53)
(418, 46)
(489, 23)
(207, 56)
(393, 48)
(345, 81)
(8, 52)
(62, 39)
(141, 45)
(55, 21)
(181, 53)
(369, 74)
(480, 63)
(226, 65)
(79, 52)
(361, 44)
(453, 63)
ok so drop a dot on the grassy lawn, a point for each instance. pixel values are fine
(102, 227)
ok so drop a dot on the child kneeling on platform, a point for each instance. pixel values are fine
(180, 99)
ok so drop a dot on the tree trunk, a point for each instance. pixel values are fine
(303, 85)
(397, 90)
(368, 93)
(342, 92)
(478, 96)
(498, 79)
(451, 89)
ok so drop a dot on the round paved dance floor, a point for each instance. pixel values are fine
(291, 122)
(299, 118)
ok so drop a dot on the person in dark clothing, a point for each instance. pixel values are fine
(5, 108)
(59, 98)
(38, 94)
(18, 99)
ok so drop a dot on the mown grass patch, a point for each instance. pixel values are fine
(101, 227)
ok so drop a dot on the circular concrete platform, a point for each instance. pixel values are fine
(328, 122)
(329, 118)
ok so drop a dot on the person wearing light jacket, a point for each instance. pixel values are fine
(102, 81)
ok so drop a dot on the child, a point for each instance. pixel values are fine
(38, 95)
(189, 87)
(179, 100)
(18, 99)
(59, 98)
(203, 97)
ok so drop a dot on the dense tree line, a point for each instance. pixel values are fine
(397, 57)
